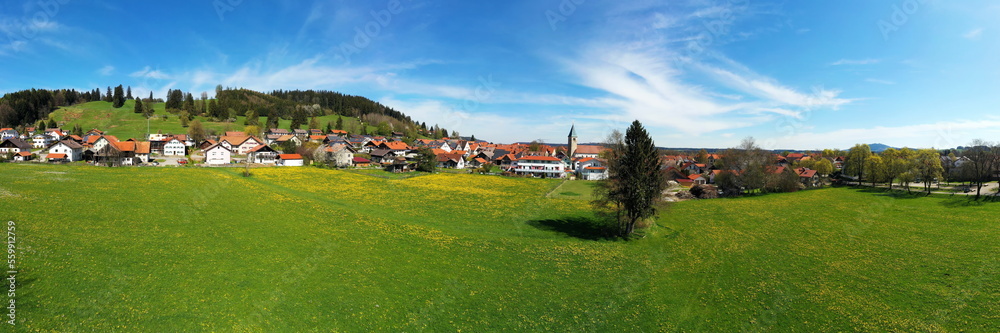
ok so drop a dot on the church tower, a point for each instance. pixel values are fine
(572, 141)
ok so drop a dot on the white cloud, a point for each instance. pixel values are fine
(843, 62)
(973, 34)
(149, 73)
(106, 70)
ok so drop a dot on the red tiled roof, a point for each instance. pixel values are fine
(56, 156)
(589, 149)
(290, 157)
(361, 160)
(594, 168)
(25, 154)
(694, 177)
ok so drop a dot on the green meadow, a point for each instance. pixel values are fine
(307, 249)
(124, 123)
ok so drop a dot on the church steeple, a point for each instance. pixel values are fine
(572, 141)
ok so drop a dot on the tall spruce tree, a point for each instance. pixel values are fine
(119, 97)
(635, 183)
(138, 106)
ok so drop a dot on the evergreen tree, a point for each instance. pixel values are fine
(214, 110)
(119, 97)
(340, 123)
(138, 106)
(52, 124)
(108, 97)
(314, 123)
(150, 95)
(128, 93)
(635, 183)
(426, 160)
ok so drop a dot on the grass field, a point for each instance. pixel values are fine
(124, 123)
(305, 249)
(576, 189)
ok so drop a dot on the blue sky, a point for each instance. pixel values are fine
(699, 73)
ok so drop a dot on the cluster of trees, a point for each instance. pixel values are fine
(750, 169)
(29, 106)
(894, 165)
(978, 164)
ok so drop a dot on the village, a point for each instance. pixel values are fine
(336, 148)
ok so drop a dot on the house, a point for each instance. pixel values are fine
(239, 144)
(539, 166)
(290, 160)
(339, 154)
(591, 169)
(102, 141)
(41, 141)
(174, 147)
(278, 132)
(317, 138)
(340, 133)
(361, 162)
(697, 179)
(8, 133)
(72, 150)
(56, 158)
(399, 165)
(286, 138)
(263, 154)
(118, 153)
(23, 157)
(14, 146)
(383, 155)
(808, 177)
(218, 155)
(300, 133)
(505, 161)
(451, 161)
(477, 162)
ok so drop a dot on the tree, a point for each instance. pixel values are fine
(701, 157)
(53, 124)
(856, 159)
(189, 103)
(426, 160)
(877, 170)
(214, 110)
(340, 123)
(138, 106)
(119, 98)
(635, 183)
(473, 138)
(749, 164)
(251, 118)
(185, 118)
(253, 130)
(196, 131)
(928, 167)
(109, 97)
(981, 165)
(204, 103)
(128, 93)
(314, 123)
(823, 167)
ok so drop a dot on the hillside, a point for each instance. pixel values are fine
(180, 249)
(124, 123)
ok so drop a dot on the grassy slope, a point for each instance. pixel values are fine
(124, 123)
(304, 249)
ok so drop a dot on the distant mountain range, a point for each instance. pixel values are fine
(878, 147)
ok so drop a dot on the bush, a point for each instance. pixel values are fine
(685, 195)
(705, 192)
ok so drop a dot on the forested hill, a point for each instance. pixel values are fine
(26, 108)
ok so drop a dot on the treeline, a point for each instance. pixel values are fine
(342, 104)
(748, 169)
(26, 107)
(977, 164)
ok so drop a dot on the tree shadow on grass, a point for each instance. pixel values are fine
(578, 227)
(895, 193)
(969, 201)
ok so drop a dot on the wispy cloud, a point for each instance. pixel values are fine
(106, 70)
(849, 62)
(973, 34)
(150, 73)
(933, 135)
